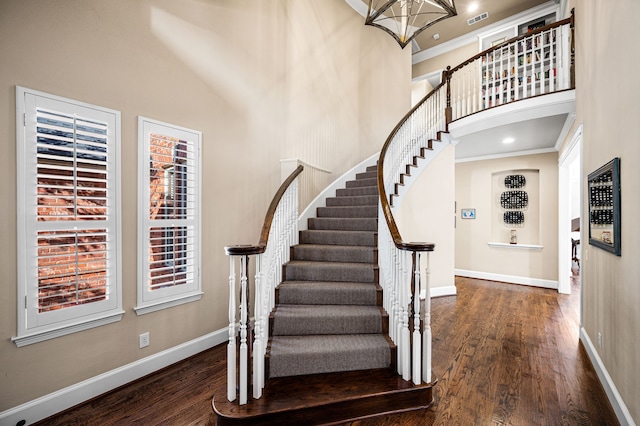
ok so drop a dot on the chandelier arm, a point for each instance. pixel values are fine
(407, 18)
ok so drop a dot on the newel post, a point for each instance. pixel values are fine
(572, 69)
(448, 112)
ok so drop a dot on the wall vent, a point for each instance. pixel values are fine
(478, 18)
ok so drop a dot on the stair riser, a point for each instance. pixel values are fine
(303, 326)
(357, 191)
(367, 175)
(328, 295)
(335, 356)
(348, 212)
(329, 272)
(334, 254)
(361, 182)
(342, 224)
(361, 200)
(338, 238)
(300, 365)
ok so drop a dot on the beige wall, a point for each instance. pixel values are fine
(607, 60)
(440, 62)
(474, 189)
(426, 214)
(262, 81)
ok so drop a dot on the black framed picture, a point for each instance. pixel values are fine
(604, 207)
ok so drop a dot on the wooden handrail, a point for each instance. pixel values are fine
(512, 40)
(239, 250)
(382, 192)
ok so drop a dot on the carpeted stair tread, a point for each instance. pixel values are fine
(369, 174)
(334, 253)
(327, 293)
(300, 355)
(321, 236)
(353, 200)
(344, 224)
(305, 270)
(348, 211)
(357, 191)
(295, 320)
(362, 182)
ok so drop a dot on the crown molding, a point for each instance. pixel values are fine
(473, 36)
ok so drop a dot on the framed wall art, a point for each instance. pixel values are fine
(604, 207)
(468, 213)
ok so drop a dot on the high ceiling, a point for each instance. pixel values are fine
(457, 26)
(534, 134)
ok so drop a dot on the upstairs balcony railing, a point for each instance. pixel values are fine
(536, 63)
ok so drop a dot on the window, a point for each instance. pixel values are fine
(169, 216)
(68, 216)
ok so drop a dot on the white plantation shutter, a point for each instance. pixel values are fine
(68, 215)
(169, 208)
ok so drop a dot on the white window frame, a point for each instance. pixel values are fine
(153, 300)
(35, 326)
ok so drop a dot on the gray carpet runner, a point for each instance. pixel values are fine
(328, 315)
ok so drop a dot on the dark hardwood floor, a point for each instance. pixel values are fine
(504, 354)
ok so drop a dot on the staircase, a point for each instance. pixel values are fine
(329, 357)
(328, 315)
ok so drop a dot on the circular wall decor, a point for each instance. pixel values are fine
(511, 200)
(515, 181)
(514, 218)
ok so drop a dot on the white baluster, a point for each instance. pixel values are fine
(532, 68)
(244, 349)
(406, 345)
(426, 335)
(417, 346)
(565, 32)
(552, 61)
(231, 346)
(258, 358)
(396, 303)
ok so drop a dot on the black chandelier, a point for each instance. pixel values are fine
(405, 19)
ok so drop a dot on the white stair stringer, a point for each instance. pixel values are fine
(438, 146)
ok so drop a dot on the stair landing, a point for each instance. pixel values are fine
(325, 399)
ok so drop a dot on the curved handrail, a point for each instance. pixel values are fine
(238, 250)
(384, 199)
(511, 40)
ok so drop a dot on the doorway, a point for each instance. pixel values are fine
(569, 213)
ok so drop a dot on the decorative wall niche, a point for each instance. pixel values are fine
(515, 206)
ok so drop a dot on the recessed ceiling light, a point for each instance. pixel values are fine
(436, 36)
(472, 7)
(508, 140)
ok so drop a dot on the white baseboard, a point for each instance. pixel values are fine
(449, 290)
(70, 396)
(512, 279)
(619, 407)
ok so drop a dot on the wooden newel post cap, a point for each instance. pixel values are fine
(243, 250)
(417, 246)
